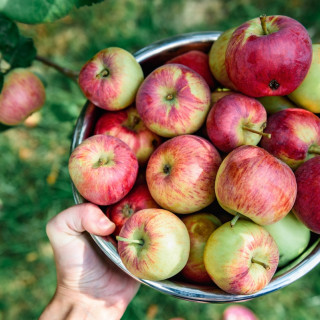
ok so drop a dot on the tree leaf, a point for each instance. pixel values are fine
(40, 11)
(9, 34)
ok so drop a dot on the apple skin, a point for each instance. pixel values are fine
(291, 236)
(165, 249)
(173, 100)
(111, 78)
(228, 117)
(129, 127)
(200, 226)
(217, 56)
(229, 254)
(181, 173)
(197, 61)
(252, 182)
(22, 94)
(259, 65)
(295, 136)
(273, 104)
(103, 169)
(137, 199)
(307, 95)
(234, 312)
(307, 205)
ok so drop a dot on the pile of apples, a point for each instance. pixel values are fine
(209, 165)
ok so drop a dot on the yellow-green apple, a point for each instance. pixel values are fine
(307, 95)
(253, 183)
(307, 205)
(111, 78)
(154, 244)
(219, 93)
(273, 104)
(241, 259)
(238, 312)
(103, 169)
(137, 199)
(128, 126)
(181, 173)
(295, 136)
(22, 94)
(200, 225)
(236, 120)
(198, 61)
(173, 100)
(291, 236)
(217, 59)
(257, 59)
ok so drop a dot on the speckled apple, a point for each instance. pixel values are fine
(22, 94)
(103, 169)
(181, 173)
(111, 78)
(173, 100)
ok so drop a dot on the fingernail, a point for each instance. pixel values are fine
(105, 223)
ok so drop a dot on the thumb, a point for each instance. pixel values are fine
(75, 220)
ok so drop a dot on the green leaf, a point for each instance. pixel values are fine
(24, 53)
(40, 11)
(9, 34)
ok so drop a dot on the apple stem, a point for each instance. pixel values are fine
(264, 134)
(141, 242)
(235, 219)
(314, 149)
(263, 19)
(253, 260)
(169, 96)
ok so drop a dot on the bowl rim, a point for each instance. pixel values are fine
(82, 127)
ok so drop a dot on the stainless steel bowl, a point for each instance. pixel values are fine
(150, 57)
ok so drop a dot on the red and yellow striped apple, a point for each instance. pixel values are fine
(173, 100)
(181, 173)
(103, 169)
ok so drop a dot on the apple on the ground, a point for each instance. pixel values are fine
(173, 100)
(238, 312)
(154, 244)
(128, 126)
(22, 94)
(103, 169)
(241, 259)
(111, 78)
(253, 183)
(181, 173)
(257, 59)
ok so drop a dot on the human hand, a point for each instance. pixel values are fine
(88, 284)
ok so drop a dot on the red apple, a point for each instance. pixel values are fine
(307, 205)
(236, 120)
(269, 56)
(181, 173)
(200, 226)
(103, 169)
(217, 57)
(295, 136)
(173, 100)
(22, 94)
(239, 312)
(154, 244)
(197, 61)
(137, 199)
(111, 78)
(129, 127)
(241, 259)
(253, 183)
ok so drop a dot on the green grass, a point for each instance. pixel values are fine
(34, 181)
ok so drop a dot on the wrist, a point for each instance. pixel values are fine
(74, 305)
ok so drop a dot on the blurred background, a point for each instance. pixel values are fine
(34, 180)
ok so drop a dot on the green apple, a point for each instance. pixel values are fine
(307, 95)
(241, 259)
(291, 236)
(273, 104)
